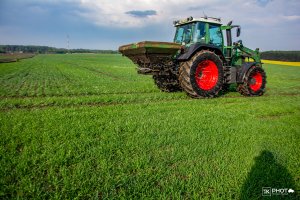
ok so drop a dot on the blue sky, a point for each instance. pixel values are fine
(107, 24)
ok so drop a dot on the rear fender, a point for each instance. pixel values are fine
(241, 72)
(194, 48)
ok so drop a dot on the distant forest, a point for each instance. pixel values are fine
(293, 56)
(46, 49)
(267, 55)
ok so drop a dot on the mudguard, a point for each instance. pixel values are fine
(241, 72)
(194, 48)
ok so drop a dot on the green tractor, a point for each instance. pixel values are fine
(199, 62)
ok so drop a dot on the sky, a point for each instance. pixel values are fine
(107, 24)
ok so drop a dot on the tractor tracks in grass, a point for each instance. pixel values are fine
(73, 95)
(36, 87)
(43, 88)
(61, 101)
(65, 76)
(97, 71)
(145, 102)
(90, 104)
(20, 87)
(276, 116)
(22, 76)
(103, 73)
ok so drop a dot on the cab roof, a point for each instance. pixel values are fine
(188, 20)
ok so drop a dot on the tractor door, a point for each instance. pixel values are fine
(215, 35)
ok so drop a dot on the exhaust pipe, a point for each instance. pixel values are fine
(229, 42)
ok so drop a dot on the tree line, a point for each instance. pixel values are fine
(293, 56)
(46, 49)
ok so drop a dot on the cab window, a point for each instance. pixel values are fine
(215, 35)
(184, 33)
(200, 32)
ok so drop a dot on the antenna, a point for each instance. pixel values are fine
(205, 16)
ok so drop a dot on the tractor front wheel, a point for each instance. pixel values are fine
(202, 75)
(254, 82)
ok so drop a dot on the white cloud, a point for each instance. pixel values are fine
(291, 17)
(115, 13)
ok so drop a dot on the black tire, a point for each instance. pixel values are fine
(254, 82)
(167, 83)
(196, 86)
(225, 88)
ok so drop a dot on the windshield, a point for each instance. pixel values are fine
(184, 33)
(190, 33)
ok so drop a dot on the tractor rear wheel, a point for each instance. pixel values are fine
(167, 83)
(202, 75)
(254, 82)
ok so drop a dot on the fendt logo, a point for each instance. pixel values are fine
(268, 191)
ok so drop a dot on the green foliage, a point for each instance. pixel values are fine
(293, 56)
(89, 127)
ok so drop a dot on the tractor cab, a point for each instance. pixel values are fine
(205, 31)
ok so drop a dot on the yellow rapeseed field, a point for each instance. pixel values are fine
(297, 64)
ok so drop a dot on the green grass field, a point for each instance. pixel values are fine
(87, 126)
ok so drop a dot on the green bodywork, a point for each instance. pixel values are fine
(244, 54)
(240, 52)
(150, 47)
(148, 53)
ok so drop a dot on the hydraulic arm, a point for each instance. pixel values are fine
(246, 52)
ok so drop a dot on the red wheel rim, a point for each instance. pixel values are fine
(256, 81)
(206, 75)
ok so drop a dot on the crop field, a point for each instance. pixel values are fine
(6, 58)
(297, 64)
(87, 126)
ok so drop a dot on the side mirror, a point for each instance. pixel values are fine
(238, 31)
